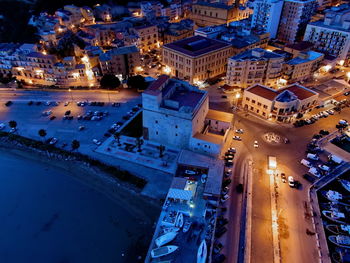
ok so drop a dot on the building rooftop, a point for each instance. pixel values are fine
(305, 57)
(40, 55)
(270, 94)
(215, 5)
(118, 51)
(197, 45)
(301, 46)
(219, 115)
(256, 53)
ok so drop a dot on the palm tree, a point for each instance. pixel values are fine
(42, 133)
(139, 143)
(75, 145)
(161, 149)
(117, 137)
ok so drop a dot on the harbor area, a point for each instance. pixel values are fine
(186, 225)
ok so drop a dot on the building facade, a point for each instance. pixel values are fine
(332, 34)
(281, 105)
(266, 15)
(120, 61)
(256, 66)
(302, 67)
(147, 37)
(196, 58)
(296, 14)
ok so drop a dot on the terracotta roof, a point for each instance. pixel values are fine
(263, 91)
(301, 92)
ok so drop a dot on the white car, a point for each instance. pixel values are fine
(2, 125)
(224, 198)
(312, 156)
(291, 181)
(343, 122)
(53, 141)
(324, 113)
(233, 150)
(256, 145)
(239, 131)
(190, 172)
(48, 103)
(225, 190)
(237, 138)
(66, 103)
(331, 112)
(97, 142)
(306, 163)
(323, 167)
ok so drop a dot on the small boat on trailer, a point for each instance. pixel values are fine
(170, 229)
(163, 251)
(340, 240)
(187, 226)
(334, 216)
(165, 239)
(179, 220)
(345, 184)
(339, 229)
(202, 252)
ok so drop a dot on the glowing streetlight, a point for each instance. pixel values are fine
(167, 70)
(71, 95)
(238, 95)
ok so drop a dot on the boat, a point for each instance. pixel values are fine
(341, 255)
(334, 215)
(339, 229)
(335, 197)
(170, 229)
(345, 184)
(187, 226)
(166, 238)
(340, 240)
(163, 251)
(202, 252)
(179, 220)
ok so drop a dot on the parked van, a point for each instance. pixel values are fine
(323, 167)
(306, 163)
(314, 171)
(312, 156)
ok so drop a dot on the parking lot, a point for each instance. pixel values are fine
(31, 118)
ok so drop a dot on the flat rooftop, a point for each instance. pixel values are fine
(197, 45)
(187, 98)
(219, 115)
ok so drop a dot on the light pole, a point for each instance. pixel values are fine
(71, 95)
(237, 96)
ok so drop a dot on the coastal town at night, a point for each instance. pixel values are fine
(175, 131)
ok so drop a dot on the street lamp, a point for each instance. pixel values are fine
(71, 95)
(237, 96)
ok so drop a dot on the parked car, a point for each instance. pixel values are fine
(239, 131)
(190, 172)
(66, 103)
(233, 150)
(324, 167)
(225, 190)
(306, 163)
(291, 181)
(220, 231)
(9, 103)
(52, 118)
(97, 142)
(283, 177)
(217, 247)
(256, 145)
(67, 112)
(312, 156)
(81, 128)
(237, 138)
(220, 258)
(309, 178)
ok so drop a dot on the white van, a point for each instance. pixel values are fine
(335, 159)
(306, 163)
(323, 167)
(313, 171)
(312, 156)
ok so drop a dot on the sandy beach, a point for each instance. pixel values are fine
(70, 219)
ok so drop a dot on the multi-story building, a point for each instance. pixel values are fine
(208, 14)
(147, 37)
(266, 15)
(196, 58)
(302, 67)
(297, 48)
(171, 32)
(256, 66)
(120, 61)
(281, 105)
(332, 34)
(177, 114)
(296, 14)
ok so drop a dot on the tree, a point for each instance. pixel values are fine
(137, 82)
(42, 133)
(139, 143)
(161, 149)
(109, 81)
(13, 124)
(117, 137)
(75, 145)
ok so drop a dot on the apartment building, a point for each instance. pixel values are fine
(147, 37)
(177, 31)
(256, 66)
(120, 61)
(266, 15)
(208, 14)
(296, 14)
(302, 67)
(196, 58)
(177, 114)
(281, 105)
(331, 35)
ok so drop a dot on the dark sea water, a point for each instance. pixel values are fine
(49, 217)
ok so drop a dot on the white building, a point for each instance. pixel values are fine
(177, 114)
(267, 15)
(332, 34)
(279, 105)
(256, 66)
